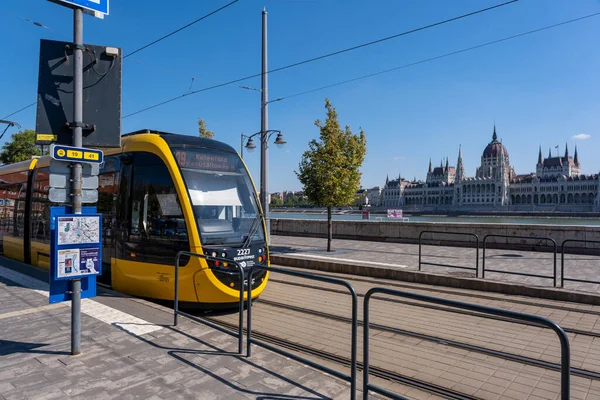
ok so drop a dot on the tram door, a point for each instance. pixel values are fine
(110, 183)
(156, 229)
(150, 228)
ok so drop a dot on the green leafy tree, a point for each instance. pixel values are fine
(21, 147)
(292, 201)
(303, 202)
(276, 202)
(329, 169)
(203, 132)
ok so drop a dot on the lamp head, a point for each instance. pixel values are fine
(250, 146)
(279, 140)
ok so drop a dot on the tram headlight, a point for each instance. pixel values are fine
(223, 254)
(214, 254)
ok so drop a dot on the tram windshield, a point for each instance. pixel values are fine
(222, 196)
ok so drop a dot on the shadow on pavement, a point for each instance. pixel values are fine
(10, 347)
(178, 353)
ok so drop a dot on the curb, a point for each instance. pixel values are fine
(429, 278)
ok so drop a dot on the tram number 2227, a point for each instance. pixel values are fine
(243, 252)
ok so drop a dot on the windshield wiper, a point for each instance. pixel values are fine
(253, 229)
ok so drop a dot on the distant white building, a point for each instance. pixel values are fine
(374, 196)
(556, 185)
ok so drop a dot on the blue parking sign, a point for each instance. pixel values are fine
(100, 6)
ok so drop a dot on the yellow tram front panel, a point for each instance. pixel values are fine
(197, 282)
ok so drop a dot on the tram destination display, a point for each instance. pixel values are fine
(211, 161)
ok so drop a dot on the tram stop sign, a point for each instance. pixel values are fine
(60, 173)
(98, 8)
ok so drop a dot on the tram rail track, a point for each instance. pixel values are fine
(471, 294)
(465, 346)
(441, 308)
(268, 341)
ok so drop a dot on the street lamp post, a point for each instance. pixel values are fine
(265, 133)
(9, 124)
(265, 136)
(250, 145)
(264, 126)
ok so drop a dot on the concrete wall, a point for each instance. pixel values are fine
(408, 232)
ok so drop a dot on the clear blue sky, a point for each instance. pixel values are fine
(541, 89)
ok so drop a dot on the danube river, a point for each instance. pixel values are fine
(439, 218)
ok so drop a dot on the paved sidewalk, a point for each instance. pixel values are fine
(128, 357)
(406, 256)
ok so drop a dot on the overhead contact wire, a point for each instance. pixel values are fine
(322, 56)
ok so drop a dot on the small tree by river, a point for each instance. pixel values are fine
(329, 169)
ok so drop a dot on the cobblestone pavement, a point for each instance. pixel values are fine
(402, 255)
(133, 357)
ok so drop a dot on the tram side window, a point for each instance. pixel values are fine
(108, 194)
(40, 206)
(157, 221)
(14, 202)
(10, 187)
(8, 197)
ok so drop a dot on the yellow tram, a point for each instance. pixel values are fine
(159, 193)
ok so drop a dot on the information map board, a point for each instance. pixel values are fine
(75, 251)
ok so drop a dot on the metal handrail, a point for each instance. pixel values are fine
(562, 262)
(565, 360)
(553, 277)
(353, 339)
(176, 311)
(451, 265)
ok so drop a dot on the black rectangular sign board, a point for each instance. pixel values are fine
(101, 95)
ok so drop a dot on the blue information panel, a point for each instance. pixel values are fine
(75, 251)
(100, 6)
(76, 154)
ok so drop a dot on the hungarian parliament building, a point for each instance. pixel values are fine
(556, 185)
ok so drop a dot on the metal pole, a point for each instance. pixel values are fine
(76, 171)
(249, 315)
(555, 266)
(366, 346)
(176, 294)
(477, 257)
(242, 146)
(483, 259)
(353, 344)
(562, 264)
(264, 126)
(420, 235)
(241, 311)
(565, 364)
